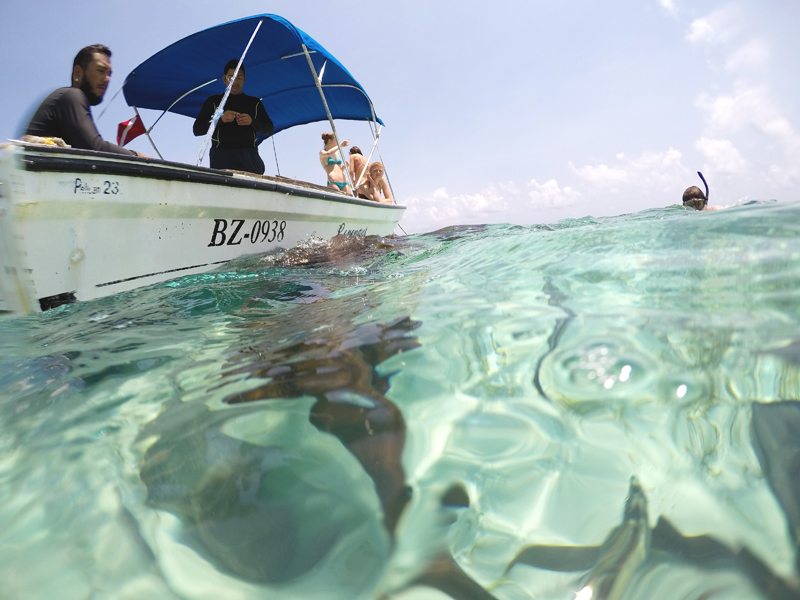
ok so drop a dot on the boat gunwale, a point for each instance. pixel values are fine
(38, 159)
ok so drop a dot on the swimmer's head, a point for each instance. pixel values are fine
(327, 137)
(695, 198)
(355, 150)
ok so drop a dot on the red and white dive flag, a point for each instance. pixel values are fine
(128, 130)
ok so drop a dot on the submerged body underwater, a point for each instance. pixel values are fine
(597, 408)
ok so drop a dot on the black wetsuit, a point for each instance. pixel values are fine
(65, 114)
(235, 146)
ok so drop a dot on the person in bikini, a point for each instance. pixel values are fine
(331, 161)
(375, 186)
(357, 163)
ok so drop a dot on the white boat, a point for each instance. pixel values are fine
(77, 224)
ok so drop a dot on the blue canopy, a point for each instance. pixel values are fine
(180, 77)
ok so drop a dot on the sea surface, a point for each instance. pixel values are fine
(594, 408)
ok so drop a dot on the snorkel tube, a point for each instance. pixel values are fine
(705, 184)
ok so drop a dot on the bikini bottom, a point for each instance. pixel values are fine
(340, 184)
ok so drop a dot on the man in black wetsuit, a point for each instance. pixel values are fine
(65, 113)
(234, 144)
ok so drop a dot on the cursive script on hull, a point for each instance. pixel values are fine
(344, 231)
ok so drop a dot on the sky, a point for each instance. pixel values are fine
(522, 112)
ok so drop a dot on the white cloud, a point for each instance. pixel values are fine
(783, 175)
(781, 128)
(747, 132)
(441, 209)
(747, 106)
(719, 26)
(654, 170)
(700, 31)
(723, 112)
(733, 117)
(753, 56)
(497, 202)
(724, 157)
(508, 188)
(669, 6)
(550, 194)
(601, 175)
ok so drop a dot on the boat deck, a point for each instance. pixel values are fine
(46, 158)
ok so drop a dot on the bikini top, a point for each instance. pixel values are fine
(331, 161)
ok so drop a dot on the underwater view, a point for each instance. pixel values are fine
(594, 408)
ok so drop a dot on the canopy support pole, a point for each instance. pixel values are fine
(178, 100)
(358, 183)
(147, 133)
(221, 108)
(114, 97)
(377, 133)
(346, 164)
(389, 181)
(277, 166)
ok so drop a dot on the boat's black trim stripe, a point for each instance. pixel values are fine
(57, 164)
(51, 302)
(219, 262)
(65, 160)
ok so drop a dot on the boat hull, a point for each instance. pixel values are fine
(78, 225)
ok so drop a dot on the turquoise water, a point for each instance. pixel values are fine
(459, 414)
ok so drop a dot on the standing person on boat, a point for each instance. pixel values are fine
(234, 144)
(65, 113)
(331, 160)
(375, 186)
(357, 163)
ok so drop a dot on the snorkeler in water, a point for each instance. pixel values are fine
(695, 198)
